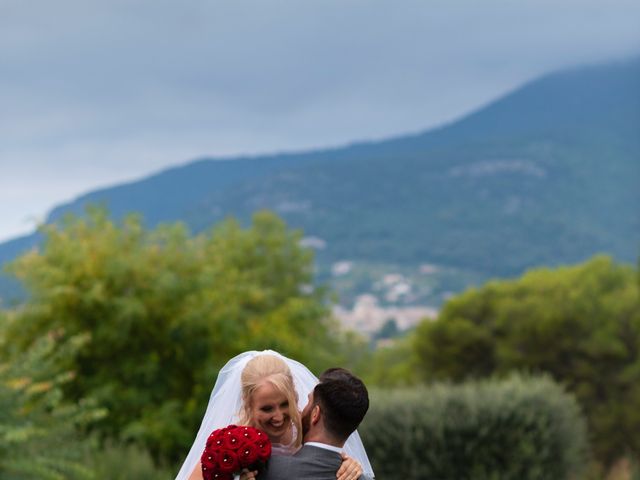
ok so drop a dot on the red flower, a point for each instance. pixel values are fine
(232, 439)
(221, 476)
(215, 439)
(228, 461)
(249, 453)
(251, 435)
(210, 459)
(228, 450)
(264, 446)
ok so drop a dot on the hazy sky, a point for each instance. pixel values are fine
(96, 93)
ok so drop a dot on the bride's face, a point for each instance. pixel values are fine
(270, 412)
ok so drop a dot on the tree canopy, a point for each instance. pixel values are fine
(164, 310)
(581, 324)
(40, 434)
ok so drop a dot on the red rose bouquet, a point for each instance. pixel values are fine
(230, 449)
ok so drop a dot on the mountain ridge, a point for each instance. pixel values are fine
(542, 176)
(357, 146)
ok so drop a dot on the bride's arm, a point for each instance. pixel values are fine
(197, 472)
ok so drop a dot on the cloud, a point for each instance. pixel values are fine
(97, 92)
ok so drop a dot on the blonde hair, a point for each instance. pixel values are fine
(272, 369)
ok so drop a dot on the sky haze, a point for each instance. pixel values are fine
(97, 93)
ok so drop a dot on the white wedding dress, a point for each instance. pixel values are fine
(226, 399)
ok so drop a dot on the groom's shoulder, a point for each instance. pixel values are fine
(328, 460)
(279, 467)
(306, 463)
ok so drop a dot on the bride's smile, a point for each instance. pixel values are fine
(270, 410)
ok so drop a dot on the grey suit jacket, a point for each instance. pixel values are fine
(309, 463)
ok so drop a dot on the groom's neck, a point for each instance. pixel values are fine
(323, 437)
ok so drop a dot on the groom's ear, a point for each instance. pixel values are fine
(316, 412)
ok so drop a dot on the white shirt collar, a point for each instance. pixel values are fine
(325, 446)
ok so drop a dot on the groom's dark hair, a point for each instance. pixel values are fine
(344, 401)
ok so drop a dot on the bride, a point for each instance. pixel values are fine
(237, 399)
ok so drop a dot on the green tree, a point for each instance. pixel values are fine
(164, 310)
(581, 324)
(39, 433)
(392, 365)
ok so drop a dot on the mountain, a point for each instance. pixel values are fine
(545, 175)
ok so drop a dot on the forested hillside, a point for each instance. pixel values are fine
(546, 175)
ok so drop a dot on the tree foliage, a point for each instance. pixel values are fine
(391, 365)
(581, 324)
(40, 434)
(520, 428)
(164, 310)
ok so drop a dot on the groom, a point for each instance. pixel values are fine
(336, 407)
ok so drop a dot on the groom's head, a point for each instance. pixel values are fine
(336, 407)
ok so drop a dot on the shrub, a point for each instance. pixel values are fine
(39, 433)
(520, 428)
(579, 324)
(124, 462)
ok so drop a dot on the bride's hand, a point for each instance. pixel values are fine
(350, 469)
(247, 475)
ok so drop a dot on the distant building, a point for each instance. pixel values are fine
(367, 316)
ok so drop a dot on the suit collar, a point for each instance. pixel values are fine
(326, 446)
